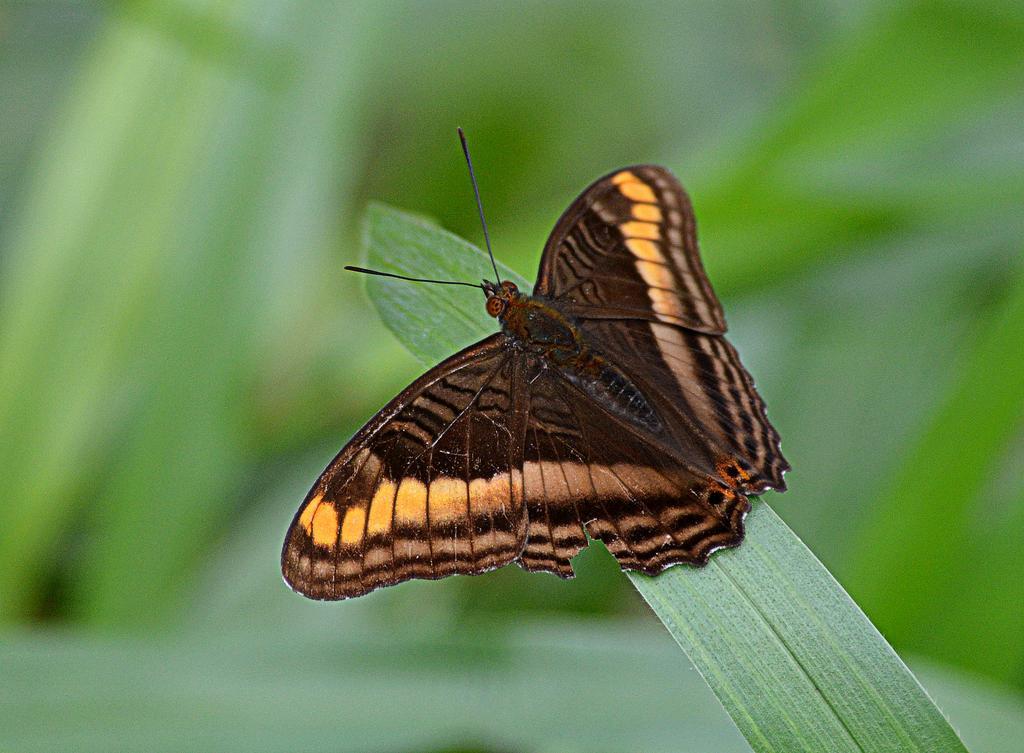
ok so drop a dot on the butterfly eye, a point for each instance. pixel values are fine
(495, 305)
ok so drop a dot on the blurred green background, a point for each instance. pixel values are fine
(181, 182)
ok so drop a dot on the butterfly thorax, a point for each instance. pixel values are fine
(537, 326)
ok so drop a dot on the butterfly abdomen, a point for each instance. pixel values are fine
(614, 390)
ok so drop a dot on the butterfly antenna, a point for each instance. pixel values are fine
(411, 279)
(479, 204)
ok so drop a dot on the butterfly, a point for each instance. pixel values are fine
(608, 404)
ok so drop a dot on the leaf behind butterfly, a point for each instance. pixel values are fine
(432, 321)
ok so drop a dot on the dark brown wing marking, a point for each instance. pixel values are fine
(430, 487)
(627, 248)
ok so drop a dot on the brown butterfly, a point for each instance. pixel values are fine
(608, 404)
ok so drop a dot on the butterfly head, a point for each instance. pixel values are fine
(499, 296)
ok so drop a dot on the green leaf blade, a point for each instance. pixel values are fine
(793, 660)
(432, 321)
(832, 674)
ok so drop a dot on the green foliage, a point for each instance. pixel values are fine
(181, 182)
(988, 400)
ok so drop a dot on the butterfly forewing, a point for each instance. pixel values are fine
(627, 248)
(430, 487)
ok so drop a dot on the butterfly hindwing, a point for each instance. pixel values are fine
(585, 468)
(430, 487)
(700, 379)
